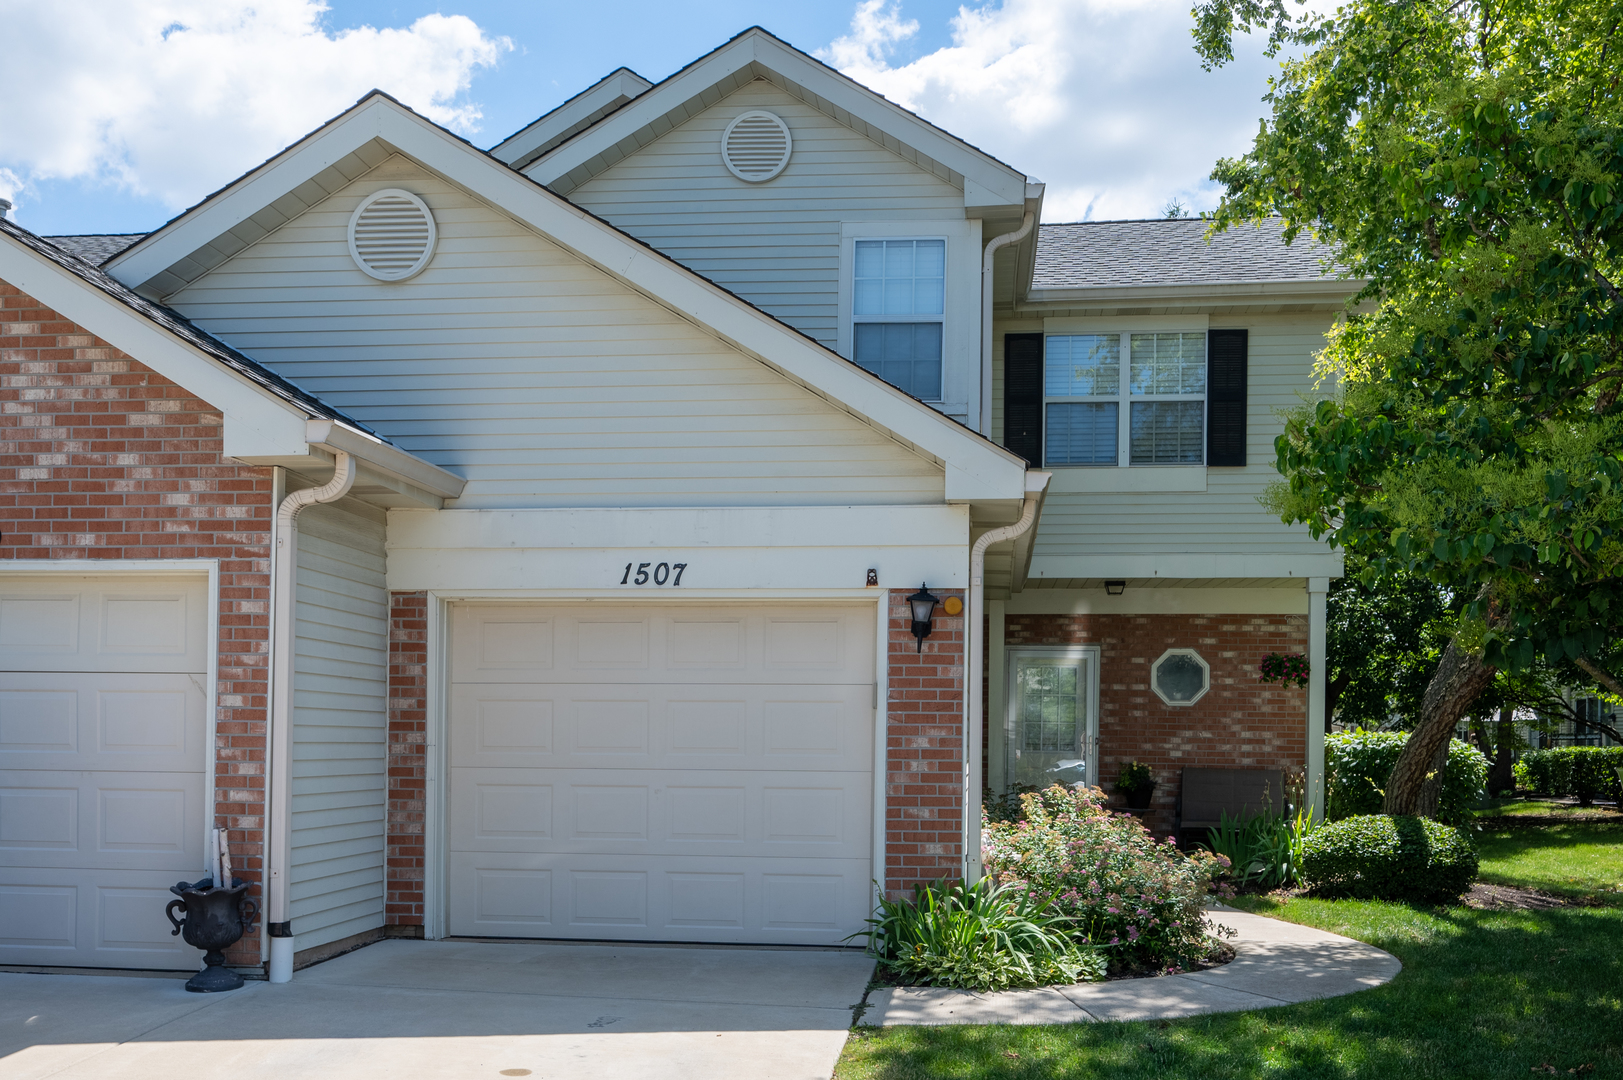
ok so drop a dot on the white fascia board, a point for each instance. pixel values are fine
(622, 85)
(982, 469)
(257, 422)
(727, 548)
(1262, 600)
(995, 183)
(148, 258)
(1314, 291)
(1187, 565)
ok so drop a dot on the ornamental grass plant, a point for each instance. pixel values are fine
(1139, 900)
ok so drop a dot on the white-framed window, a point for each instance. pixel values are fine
(898, 312)
(1180, 677)
(1124, 398)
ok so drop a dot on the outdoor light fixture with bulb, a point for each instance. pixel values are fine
(923, 604)
(1115, 588)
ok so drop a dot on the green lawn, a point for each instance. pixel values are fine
(1546, 809)
(1483, 994)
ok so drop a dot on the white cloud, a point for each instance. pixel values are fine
(1104, 100)
(173, 98)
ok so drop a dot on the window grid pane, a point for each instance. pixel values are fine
(1168, 364)
(1082, 365)
(906, 355)
(1048, 708)
(900, 278)
(1081, 433)
(1168, 432)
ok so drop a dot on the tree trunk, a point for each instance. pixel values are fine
(1503, 776)
(1417, 778)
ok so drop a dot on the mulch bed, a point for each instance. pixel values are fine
(1505, 898)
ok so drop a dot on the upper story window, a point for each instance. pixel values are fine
(1154, 413)
(898, 307)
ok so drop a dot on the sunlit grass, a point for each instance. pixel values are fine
(1584, 861)
(1482, 994)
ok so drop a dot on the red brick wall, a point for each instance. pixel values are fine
(1240, 722)
(408, 765)
(924, 759)
(102, 458)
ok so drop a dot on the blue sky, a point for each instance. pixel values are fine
(138, 108)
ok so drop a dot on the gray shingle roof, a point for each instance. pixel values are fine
(95, 248)
(1100, 254)
(176, 324)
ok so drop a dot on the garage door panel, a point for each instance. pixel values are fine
(679, 643)
(804, 726)
(648, 811)
(108, 623)
(139, 722)
(108, 819)
(90, 917)
(664, 898)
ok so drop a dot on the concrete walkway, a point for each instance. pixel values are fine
(404, 1010)
(1277, 963)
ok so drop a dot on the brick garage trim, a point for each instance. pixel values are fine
(924, 748)
(103, 459)
(1239, 723)
(408, 759)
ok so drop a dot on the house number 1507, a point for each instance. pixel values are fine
(662, 574)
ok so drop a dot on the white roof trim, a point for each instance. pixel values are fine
(987, 181)
(257, 422)
(976, 468)
(612, 90)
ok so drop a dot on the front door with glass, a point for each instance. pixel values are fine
(1051, 728)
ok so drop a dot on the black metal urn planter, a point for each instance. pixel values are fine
(215, 919)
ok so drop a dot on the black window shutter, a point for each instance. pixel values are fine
(1225, 396)
(1023, 395)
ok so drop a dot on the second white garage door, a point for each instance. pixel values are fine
(675, 772)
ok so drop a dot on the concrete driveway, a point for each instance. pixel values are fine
(400, 1010)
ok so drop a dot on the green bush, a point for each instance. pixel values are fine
(1139, 899)
(1357, 765)
(981, 937)
(1265, 848)
(1580, 771)
(1375, 857)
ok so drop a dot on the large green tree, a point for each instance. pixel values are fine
(1466, 160)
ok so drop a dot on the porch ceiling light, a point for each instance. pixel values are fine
(1115, 588)
(923, 604)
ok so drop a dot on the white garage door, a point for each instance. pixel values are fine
(101, 766)
(672, 773)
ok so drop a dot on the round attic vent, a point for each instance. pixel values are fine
(391, 235)
(756, 147)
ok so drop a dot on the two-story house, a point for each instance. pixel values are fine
(522, 543)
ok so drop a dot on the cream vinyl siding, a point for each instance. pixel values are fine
(543, 381)
(1226, 517)
(775, 244)
(340, 724)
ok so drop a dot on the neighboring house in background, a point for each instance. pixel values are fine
(625, 445)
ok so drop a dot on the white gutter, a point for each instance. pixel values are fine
(992, 247)
(279, 772)
(975, 666)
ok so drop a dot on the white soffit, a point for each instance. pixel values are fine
(976, 468)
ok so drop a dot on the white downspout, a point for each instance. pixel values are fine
(975, 664)
(279, 775)
(992, 247)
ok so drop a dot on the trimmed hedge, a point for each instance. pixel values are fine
(1357, 765)
(1375, 857)
(1581, 771)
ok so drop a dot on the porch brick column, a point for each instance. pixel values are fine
(408, 764)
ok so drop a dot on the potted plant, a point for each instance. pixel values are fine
(1136, 782)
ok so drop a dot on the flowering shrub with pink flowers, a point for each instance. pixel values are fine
(1138, 899)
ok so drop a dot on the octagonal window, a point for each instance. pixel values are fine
(1180, 677)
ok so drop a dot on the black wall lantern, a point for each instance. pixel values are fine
(923, 604)
(1115, 588)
